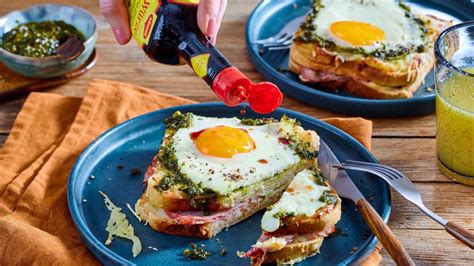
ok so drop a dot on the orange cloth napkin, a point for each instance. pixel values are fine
(49, 133)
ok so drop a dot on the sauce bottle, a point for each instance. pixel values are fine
(168, 32)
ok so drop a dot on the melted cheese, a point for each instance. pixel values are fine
(224, 175)
(272, 244)
(300, 198)
(118, 225)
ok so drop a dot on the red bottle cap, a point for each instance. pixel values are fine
(233, 88)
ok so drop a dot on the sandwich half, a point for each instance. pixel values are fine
(294, 227)
(370, 48)
(211, 173)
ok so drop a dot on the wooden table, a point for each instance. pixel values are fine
(407, 144)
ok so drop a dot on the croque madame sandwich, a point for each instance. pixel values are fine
(294, 227)
(370, 48)
(211, 173)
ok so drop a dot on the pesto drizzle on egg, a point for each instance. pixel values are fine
(307, 34)
(199, 197)
(179, 120)
(257, 122)
(302, 148)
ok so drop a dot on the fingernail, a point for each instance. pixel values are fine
(213, 40)
(120, 35)
(212, 27)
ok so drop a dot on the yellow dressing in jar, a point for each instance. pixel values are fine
(455, 125)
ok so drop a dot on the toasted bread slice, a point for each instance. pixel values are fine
(291, 253)
(324, 218)
(295, 226)
(170, 207)
(366, 75)
(196, 224)
(365, 78)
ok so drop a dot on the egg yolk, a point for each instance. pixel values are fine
(357, 33)
(224, 142)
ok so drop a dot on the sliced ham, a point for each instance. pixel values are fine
(150, 170)
(311, 76)
(255, 251)
(197, 217)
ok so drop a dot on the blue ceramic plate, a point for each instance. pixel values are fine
(134, 143)
(270, 16)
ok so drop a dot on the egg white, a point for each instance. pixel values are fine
(224, 175)
(302, 201)
(384, 14)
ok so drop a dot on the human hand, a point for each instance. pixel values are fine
(209, 16)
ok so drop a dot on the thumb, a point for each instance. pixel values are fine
(116, 14)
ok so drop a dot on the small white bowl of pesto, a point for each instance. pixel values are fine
(29, 39)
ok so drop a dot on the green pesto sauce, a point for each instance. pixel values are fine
(328, 198)
(282, 214)
(302, 148)
(318, 177)
(257, 122)
(199, 197)
(308, 34)
(179, 120)
(39, 39)
(196, 253)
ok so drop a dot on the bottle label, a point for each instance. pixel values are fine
(199, 64)
(143, 17)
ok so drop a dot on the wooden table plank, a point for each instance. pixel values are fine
(432, 247)
(126, 63)
(415, 157)
(451, 201)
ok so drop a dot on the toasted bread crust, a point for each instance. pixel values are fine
(324, 218)
(291, 253)
(367, 76)
(264, 196)
(310, 55)
(157, 206)
(205, 230)
(365, 88)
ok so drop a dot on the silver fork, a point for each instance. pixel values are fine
(284, 36)
(405, 187)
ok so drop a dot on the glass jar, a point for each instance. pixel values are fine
(454, 72)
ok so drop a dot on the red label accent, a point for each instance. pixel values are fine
(148, 26)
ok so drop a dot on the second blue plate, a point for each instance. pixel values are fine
(270, 16)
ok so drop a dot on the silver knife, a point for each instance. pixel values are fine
(344, 186)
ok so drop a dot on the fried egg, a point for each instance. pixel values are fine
(222, 154)
(368, 24)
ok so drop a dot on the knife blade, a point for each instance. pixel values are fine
(340, 180)
(346, 188)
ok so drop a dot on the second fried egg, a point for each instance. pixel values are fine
(370, 24)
